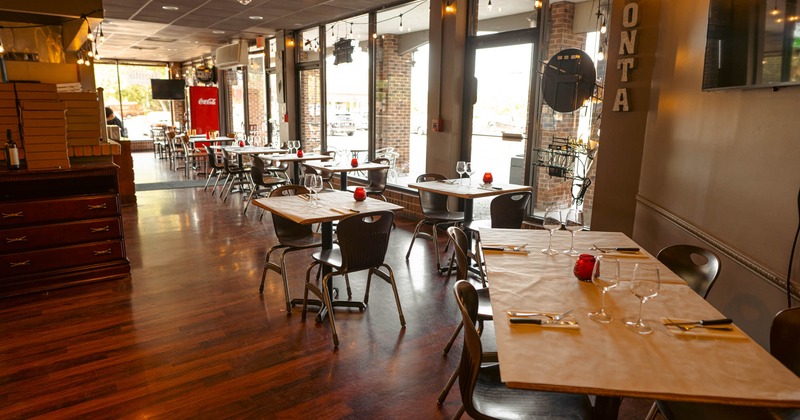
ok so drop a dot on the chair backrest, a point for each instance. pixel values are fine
(467, 299)
(364, 239)
(697, 266)
(461, 244)
(257, 172)
(286, 229)
(508, 210)
(377, 177)
(212, 158)
(784, 338)
(324, 173)
(431, 202)
(226, 159)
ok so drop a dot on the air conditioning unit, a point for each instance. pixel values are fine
(231, 55)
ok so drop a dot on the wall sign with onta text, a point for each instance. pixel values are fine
(627, 48)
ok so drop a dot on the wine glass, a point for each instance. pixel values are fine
(606, 277)
(469, 171)
(308, 182)
(461, 167)
(317, 186)
(645, 284)
(551, 222)
(573, 222)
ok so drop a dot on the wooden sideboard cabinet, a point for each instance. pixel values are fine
(59, 228)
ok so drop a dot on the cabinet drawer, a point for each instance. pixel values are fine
(58, 234)
(22, 213)
(22, 263)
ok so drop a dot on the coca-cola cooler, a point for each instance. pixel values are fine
(203, 109)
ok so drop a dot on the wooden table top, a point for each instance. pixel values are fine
(455, 189)
(250, 150)
(337, 167)
(293, 157)
(610, 359)
(333, 205)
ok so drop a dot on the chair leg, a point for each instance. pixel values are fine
(327, 299)
(652, 413)
(459, 413)
(308, 287)
(208, 179)
(453, 338)
(285, 283)
(446, 390)
(396, 295)
(414, 237)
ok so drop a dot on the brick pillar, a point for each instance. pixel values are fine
(393, 99)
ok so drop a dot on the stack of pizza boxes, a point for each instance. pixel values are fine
(9, 118)
(85, 120)
(44, 127)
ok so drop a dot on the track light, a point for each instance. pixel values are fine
(102, 37)
(401, 22)
(489, 6)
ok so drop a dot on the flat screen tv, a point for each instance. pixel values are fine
(168, 89)
(752, 43)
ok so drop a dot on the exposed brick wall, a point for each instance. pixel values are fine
(257, 97)
(393, 99)
(310, 109)
(554, 191)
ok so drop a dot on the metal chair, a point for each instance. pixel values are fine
(363, 240)
(192, 155)
(263, 183)
(236, 175)
(484, 396)
(784, 342)
(377, 180)
(507, 211)
(326, 174)
(683, 261)
(435, 214)
(291, 237)
(484, 309)
(217, 170)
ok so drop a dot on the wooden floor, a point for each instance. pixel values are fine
(189, 336)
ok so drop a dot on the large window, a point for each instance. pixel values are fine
(401, 89)
(234, 88)
(126, 90)
(256, 99)
(347, 87)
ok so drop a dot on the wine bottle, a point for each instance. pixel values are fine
(12, 153)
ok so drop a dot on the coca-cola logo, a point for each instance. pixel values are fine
(208, 101)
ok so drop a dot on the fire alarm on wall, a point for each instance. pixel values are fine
(436, 124)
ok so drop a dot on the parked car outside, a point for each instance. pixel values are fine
(341, 124)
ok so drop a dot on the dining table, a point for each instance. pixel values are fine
(610, 360)
(461, 189)
(292, 157)
(330, 206)
(344, 169)
(217, 141)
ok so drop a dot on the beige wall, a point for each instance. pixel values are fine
(718, 169)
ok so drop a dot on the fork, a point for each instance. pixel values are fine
(557, 317)
(710, 327)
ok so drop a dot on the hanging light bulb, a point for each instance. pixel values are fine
(601, 55)
(80, 58)
(87, 62)
(2, 48)
(90, 53)
(603, 28)
(489, 6)
(102, 37)
(90, 36)
(537, 4)
(775, 11)
(401, 22)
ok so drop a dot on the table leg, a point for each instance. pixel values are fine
(343, 180)
(296, 173)
(606, 408)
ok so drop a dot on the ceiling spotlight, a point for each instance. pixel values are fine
(172, 8)
(244, 2)
(256, 17)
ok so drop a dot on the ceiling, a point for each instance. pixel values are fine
(145, 30)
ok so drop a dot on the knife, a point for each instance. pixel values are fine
(539, 321)
(722, 321)
(620, 249)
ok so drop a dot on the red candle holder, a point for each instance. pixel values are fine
(360, 193)
(488, 178)
(354, 162)
(583, 267)
(299, 152)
